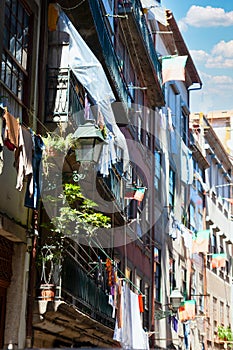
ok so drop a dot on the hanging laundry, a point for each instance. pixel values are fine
(86, 107)
(201, 241)
(186, 164)
(163, 120)
(140, 303)
(135, 192)
(188, 239)
(205, 187)
(155, 12)
(23, 158)
(173, 68)
(187, 310)
(1, 145)
(32, 200)
(109, 270)
(11, 132)
(119, 306)
(131, 335)
(229, 200)
(186, 327)
(99, 273)
(100, 120)
(175, 324)
(84, 65)
(218, 260)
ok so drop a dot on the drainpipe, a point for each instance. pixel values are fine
(31, 283)
(193, 89)
(152, 240)
(205, 279)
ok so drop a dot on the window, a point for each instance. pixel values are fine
(215, 308)
(184, 127)
(139, 128)
(15, 55)
(172, 279)
(146, 293)
(213, 243)
(157, 269)
(172, 103)
(222, 312)
(128, 273)
(157, 175)
(184, 283)
(192, 217)
(171, 188)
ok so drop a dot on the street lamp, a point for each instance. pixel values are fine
(88, 142)
(175, 301)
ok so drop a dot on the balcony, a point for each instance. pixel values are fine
(62, 97)
(141, 45)
(89, 20)
(78, 288)
(80, 312)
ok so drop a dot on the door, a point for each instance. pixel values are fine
(2, 314)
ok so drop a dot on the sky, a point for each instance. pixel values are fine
(207, 29)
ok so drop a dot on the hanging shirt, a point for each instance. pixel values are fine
(1, 145)
(23, 157)
(32, 200)
(11, 134)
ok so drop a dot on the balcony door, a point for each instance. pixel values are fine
(2, 314)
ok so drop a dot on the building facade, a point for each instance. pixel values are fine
(64, 64)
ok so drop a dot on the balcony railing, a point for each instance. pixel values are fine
(78, 287)
(62, 99)
(110, 56)
(134, 7)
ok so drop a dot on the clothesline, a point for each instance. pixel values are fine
(122, 274)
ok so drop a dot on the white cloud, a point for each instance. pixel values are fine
(223, 48)
(199, 55)
(198, 16)
(221, 56)
(216, 93)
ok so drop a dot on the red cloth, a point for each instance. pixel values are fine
(140, 301)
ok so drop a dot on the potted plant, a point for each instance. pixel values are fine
(75, 216)
(225, 333)
(56, 148)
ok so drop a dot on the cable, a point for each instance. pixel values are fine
(135, 51)
(97, 242)
(72, 8)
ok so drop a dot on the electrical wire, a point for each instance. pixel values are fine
(72, 8)
(134, 49)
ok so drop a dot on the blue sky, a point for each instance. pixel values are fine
(207, 28)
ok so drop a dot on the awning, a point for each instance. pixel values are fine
(91, 75)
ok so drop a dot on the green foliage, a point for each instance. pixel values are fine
(225, 333)
(76, 215)
(57, 142)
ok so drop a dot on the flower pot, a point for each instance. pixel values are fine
(47, 292)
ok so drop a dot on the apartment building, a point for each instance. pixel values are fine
(62, 65)
(211, 282)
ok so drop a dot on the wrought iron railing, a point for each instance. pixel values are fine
(62, 99)
(113, 183)
(79, 288)
(136, 9)
(112, 62)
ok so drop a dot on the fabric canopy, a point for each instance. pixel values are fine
(89, 71)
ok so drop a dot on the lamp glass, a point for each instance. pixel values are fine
(88, 142)
(176, 298)
(88, 150)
